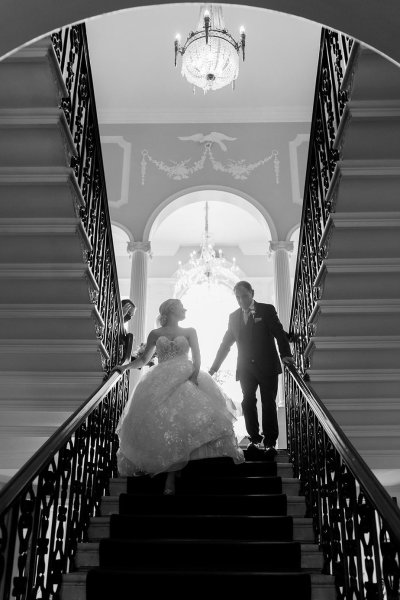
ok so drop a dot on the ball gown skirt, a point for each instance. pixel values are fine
(170, 420)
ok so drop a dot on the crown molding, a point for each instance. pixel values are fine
(271, 114)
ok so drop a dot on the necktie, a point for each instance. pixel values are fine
(246, 314)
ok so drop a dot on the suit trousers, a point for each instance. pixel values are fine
(250, 380)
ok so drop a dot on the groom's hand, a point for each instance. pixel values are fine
(288, 360)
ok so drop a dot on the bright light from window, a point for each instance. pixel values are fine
(208, 308)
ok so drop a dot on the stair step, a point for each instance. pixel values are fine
(100, 527)
(47, 282)
(343, 279)
(355, 383)
(34, 240)
(370, 437)
(364, 411)
(371, 76)
(362, 235)
(17, 447)
(369, 129)
(44, 387)
(256, 504)
(358, 351)
(144, 554)
(356, 185)
(32, 417)
(225, 467)
(39, 192)
(322, 586)
(69, 355)
(59, 321)
(35, 137)
(200, 485)
(350, 317)
(31, 77)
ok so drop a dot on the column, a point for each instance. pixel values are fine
(139, 252)
(283, 292)
(283, 299)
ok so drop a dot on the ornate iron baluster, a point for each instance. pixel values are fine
(329, 103)
(360, 548)
(79, 107)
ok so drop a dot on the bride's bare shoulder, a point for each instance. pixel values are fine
(189, 331)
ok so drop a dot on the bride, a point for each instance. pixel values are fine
(177, 412)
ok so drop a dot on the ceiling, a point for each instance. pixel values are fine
(132, 58)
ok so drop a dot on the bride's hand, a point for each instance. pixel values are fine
(193, 378)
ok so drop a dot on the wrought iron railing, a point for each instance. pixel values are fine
(46, 507)
(71, 48)
(356, 522)
(329, 103)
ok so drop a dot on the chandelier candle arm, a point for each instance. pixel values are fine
(206, 23)
(243, 40)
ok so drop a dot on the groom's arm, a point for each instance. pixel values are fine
(279, 333)
(223, 350)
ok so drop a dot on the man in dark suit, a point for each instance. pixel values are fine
(255, 327)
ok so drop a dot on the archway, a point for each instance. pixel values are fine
(22, 22)
(175, 233)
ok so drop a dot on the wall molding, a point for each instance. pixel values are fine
(297, 193)
(271, 114)
(126, 167)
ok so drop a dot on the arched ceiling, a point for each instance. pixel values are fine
(132, 57)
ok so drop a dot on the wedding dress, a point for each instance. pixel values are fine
(170, 420)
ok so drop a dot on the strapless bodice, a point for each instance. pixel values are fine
(167, 349)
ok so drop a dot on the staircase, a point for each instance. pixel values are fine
(50, 349)
(239, 529)
(354, 354)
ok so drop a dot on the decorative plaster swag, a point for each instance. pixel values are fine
(182, 170)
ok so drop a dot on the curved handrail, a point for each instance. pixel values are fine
(373, 489)
(44, 454)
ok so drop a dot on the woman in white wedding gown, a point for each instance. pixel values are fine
(177, 412)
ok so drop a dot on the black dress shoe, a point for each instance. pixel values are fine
(253, 446)
(270, 451)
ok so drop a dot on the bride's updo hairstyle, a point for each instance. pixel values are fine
(165, 309)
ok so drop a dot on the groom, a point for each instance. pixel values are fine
(254, 327)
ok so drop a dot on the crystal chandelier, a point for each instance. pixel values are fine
(205, 266)
(210, 55)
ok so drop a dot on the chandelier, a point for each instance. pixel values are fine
(210, 55)
(205, 266)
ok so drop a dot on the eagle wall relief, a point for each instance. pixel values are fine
(183, 169)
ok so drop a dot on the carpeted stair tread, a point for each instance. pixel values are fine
(260, 456)
(106, 584)
(225, 467)
(226, 530)
(200, 554)
(244, 527)
(229, 504)
(209, 485)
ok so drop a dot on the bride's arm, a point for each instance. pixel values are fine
(196, 359)
(148, 352)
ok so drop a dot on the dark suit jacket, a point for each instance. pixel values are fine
(255, 341)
